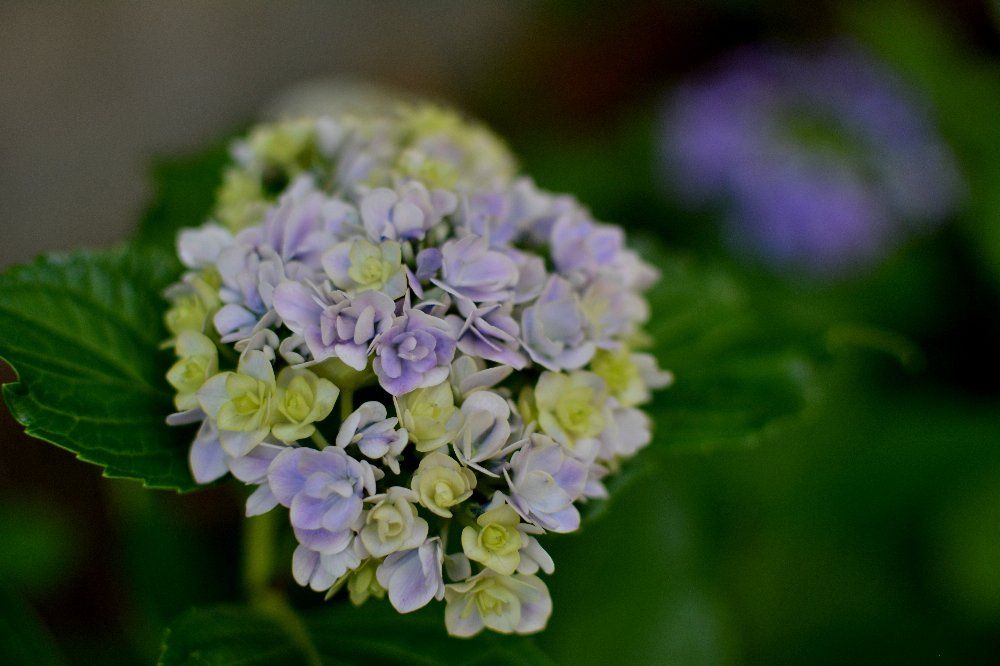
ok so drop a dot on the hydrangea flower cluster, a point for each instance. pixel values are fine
(823, 163)
(478, 335)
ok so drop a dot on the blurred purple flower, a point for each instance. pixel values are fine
(200, 247)
(321, 570)
(428, 263)
(822, 163)
(251, 469)
(503, 216)
(531, 275)
(299, 227)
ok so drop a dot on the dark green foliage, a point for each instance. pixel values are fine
(739, 369)
(83, 332)
(340, 634)
(184, 196)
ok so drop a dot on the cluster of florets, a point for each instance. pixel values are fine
(477, 333)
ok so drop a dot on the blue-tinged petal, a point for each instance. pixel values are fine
(284, 476)
(238, 444)
(304, 564)
(261, 501)
(341, 512)
(212, 394)
(323, 541)
(297, 306)
(255, 364)
(412, 577)
(306, 512)
(207, 459)
(252, 468)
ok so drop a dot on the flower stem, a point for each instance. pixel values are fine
(445, 526)
(258, 555)
(320, 441)
(346, 404)
(285, 616)
(258, 565)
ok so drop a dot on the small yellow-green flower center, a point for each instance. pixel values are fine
(390, 523)
(188, 374)
(298, 400)
(489, 603)
(576, 413)
(247, 403)
(433, 172)
(444, 495)
(616, 369)
(428, 409)
(594, 308)
(371, 270)
(493, 537)
(296, 407)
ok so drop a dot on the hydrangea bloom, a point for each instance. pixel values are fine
(490, 326)
(822, 163)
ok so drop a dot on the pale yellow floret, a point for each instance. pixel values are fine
(496, 601)
(240, 200)
(481, 151)
(362, 583)
(495, 541)
(244, 401)
(621, 374)
(198, 360)
(192, 310)
(250, 406)
(571, 407)
(372, 266)
(429, 416)
(303, 399)
(287, 144)
(441, 482)
(393, 524)
(432, 172)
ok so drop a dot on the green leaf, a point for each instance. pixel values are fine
(338, 634)
(184, 195)
(740, 370)
(82, 331)
(228, 635)
(638, 469)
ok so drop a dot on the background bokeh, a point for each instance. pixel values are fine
(870, 531)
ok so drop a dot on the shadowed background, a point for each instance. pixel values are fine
(91, 91)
